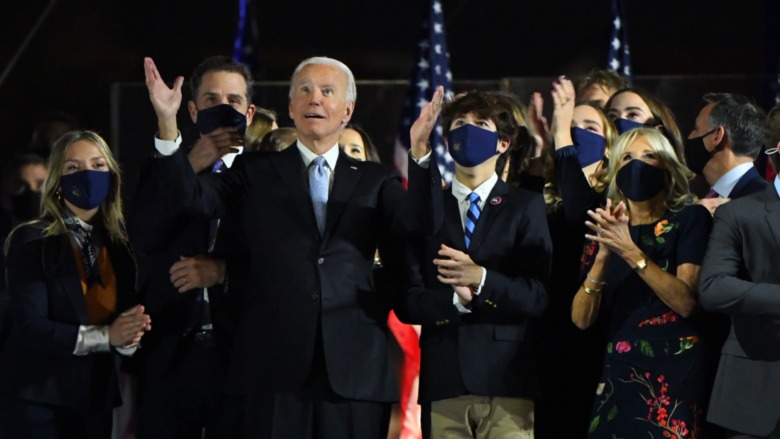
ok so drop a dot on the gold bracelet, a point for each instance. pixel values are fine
(594, 281)
(591, 292)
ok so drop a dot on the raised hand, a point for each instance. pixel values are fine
(197, 272)
(212, 146)
(423, 126)
(165, 101)
(126, 331)
(563, 112)
(537, 124)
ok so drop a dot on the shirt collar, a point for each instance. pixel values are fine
(229, 157)
(461, 192)
(777, 185)
(331, 155)
(727, 181)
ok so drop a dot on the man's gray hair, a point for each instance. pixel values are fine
(324, 60)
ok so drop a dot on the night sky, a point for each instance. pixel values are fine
(84, 46)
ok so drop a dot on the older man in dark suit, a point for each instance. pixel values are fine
(741, 277)
(311, 357)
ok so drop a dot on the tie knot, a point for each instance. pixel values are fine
(319, 161)
(473, 197)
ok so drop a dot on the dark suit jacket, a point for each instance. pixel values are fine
(488, 352)
(750, 182)
(161, 234)
(740, 277)
(301, 287)
(47, 307)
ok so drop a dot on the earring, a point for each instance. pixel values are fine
(58, 193)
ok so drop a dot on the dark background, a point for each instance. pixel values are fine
(85, 46)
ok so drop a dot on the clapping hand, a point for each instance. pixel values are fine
(563, 111)
(126, 331)
(610, 228)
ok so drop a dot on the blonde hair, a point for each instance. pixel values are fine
(51, 201)
(677, 175)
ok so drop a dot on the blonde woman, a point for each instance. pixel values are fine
(71, 279)
(643, 281)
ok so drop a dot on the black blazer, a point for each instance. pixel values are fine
(750, 182)
(740, 277)
(488, 352)
(47, 307)
(301, 287)
(161, 234)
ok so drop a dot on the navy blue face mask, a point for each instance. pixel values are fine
(639, 181)
(86, 189)
(590, 146)
(471, 145)
(624, 125)
(220, 116)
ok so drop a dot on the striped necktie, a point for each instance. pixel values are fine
(472, 215)
(214, 224)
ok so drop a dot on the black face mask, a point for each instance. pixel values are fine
(696, 154)
(639, 181)
(27, 204)
(219, 116)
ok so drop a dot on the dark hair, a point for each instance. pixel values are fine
(521, 145)
(485, 105)
(372, 155)
(772, 135)
(221, 63)
(602, 78)
(662, 118)
(11, 174)
(743, 120)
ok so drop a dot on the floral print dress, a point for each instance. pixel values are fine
(651, 385)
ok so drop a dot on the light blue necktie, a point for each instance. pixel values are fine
(319, 182)
(472, 215)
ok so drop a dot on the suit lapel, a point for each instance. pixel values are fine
(289, 166)
(490, 210)
(453, 224)
(345, 180)
(59, 262)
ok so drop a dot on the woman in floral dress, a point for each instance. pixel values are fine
(643, 280)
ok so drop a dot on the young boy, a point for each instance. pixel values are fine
(485, 253)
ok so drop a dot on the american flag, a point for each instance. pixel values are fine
(244, 43)
(619, 59)
(431, 70)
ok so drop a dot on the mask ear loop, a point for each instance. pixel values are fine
(771, 151)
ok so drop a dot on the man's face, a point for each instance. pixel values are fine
(596, 93)
(318, 104)
(702, 126)
(219, 87)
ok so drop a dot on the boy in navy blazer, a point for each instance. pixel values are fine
(485, 252)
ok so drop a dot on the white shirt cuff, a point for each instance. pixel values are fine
(167, 147)
(422, 161)
(461, 308)
(92, 338)
(481, 282)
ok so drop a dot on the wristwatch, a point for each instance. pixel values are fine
(640, 265)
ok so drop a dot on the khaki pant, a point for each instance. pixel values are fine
(480, 417)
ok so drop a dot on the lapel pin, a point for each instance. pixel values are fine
(495, 201)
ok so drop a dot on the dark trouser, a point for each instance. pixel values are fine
(185, 402)
(312, 412)
(21, 419)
